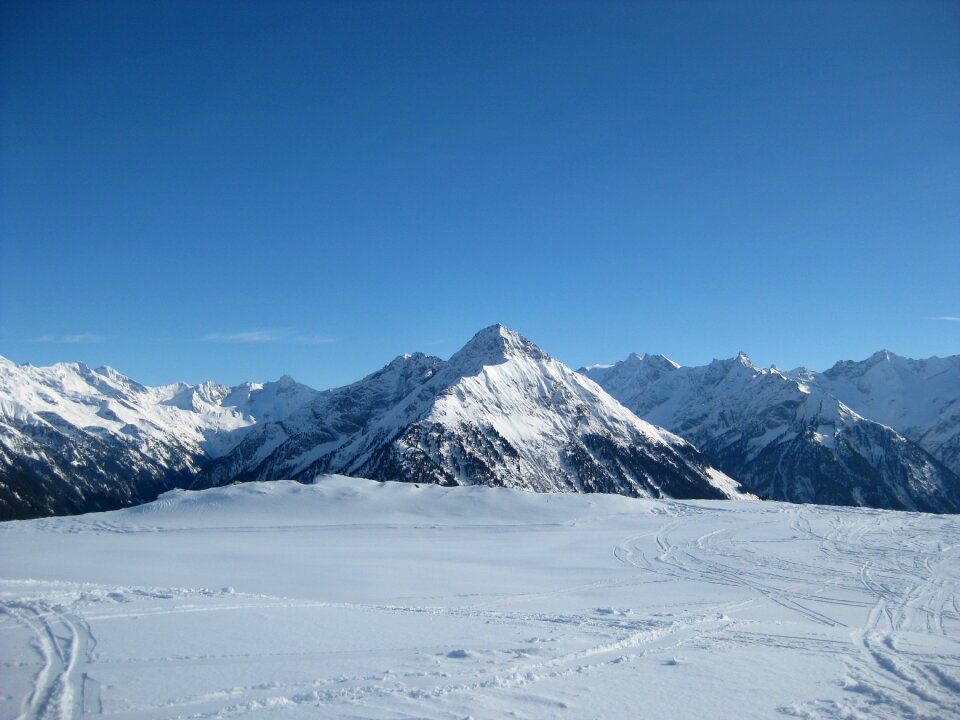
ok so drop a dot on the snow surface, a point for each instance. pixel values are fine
(350, 598)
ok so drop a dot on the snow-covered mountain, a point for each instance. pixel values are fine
(918, 398)
(499, 412)
(780, 437)
(74, 439)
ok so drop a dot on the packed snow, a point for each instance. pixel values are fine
(349, 598)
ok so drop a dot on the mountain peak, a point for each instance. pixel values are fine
(882, 356)
(494, 345)
(655, 361)
(737, 369)
(742, 360)
(662, 361)
(108, 371)
(497, 331)
(409, 360)
(856, 368)
(635, 371)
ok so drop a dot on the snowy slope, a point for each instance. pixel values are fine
(499, 412)
(74, 438)
(919, 398)
(386, 600)
(781, 438)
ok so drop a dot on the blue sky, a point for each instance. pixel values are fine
(239, 190)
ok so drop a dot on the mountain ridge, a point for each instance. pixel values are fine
(919, 398)
(73, 438)
(783, 437)
(500, 411)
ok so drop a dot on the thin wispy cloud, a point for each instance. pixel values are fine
(313, 340)
(268, 336)
(68, 339)
(948, 318)
(244, 336)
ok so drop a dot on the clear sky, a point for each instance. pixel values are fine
(238, 190)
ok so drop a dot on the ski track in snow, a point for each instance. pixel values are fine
(63, 641)
(910, 598)
(867, 599)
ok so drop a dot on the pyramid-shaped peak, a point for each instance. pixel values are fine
(497, 330)
(736, 367)
(659, 361)
(495, 345)
(882, 356)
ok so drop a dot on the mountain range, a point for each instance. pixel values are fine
(919, 398)
(788, 436)
(75, 439)
(499, 412)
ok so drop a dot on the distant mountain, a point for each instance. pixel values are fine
(919, 398)
(75, 439)
(884, 432)
(781, 436)
(498, 412)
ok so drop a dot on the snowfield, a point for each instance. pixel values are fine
(350, 598)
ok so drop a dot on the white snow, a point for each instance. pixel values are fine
(894, 390)
(919, 398)
(208, 418)
(497, 387)
(738, 413)
(356, 599)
